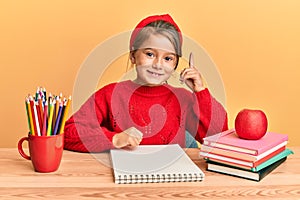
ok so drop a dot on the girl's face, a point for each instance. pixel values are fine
(155, 60)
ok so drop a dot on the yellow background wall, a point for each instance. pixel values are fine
(254, 43)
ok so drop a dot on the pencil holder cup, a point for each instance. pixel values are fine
(45, 151)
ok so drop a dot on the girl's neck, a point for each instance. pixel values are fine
(136, 81)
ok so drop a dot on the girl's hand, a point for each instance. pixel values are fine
(128, 138)
(192, 77)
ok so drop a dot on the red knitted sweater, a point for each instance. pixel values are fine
(162, 113)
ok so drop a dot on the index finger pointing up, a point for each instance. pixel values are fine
(191, 60)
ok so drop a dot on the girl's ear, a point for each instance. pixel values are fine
(132, 58)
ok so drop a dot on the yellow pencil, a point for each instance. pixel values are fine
(29, 117)
(49, 129)
(65, 114)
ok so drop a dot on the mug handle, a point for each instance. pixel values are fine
(20, 148)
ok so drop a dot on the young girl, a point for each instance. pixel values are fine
(147, 110)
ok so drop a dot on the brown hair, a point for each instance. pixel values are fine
(162, 28)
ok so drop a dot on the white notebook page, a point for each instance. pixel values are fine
(154, 163)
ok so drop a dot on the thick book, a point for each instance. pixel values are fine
(230, 141)
(154, 164)
(238, 161)
(256, 176)
(268, 162)
(207, 150)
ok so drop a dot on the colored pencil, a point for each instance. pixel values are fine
(39, 114)
(65, 114)
(55, 111)
(28, 121)
(49, 129)
(45, 95)
(29, 116)
(57, 119)
(36, 119)
(32, 114)
(37, 93)
(49, 98)
(44, 131)
(64, 104)
(40, 102)
(62, 114)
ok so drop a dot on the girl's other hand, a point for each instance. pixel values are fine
(128, 138)
(191, 76)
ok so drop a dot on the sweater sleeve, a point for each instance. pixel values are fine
(83, 132)
(208, 114)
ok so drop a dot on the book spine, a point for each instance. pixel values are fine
(242, 156)
(230, 147)
(231, 172)
(226, 159)
(227, 153)
(258, 162)
(264, 172)
(269, 146)
(274, 159)
(240, 163)
(233, 143)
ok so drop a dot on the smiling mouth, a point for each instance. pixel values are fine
(154, 73)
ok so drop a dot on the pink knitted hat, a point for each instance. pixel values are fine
(150, 19)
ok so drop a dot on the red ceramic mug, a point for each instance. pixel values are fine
(45, 151)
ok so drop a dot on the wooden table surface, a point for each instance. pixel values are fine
(82, 176)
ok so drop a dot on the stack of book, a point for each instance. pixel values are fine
(251, 159)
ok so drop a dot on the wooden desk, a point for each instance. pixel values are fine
(80, 176)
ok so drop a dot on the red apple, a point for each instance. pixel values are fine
(251, 124)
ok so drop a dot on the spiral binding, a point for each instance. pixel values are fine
(159, 178)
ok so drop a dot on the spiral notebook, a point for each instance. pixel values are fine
(154, 164)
